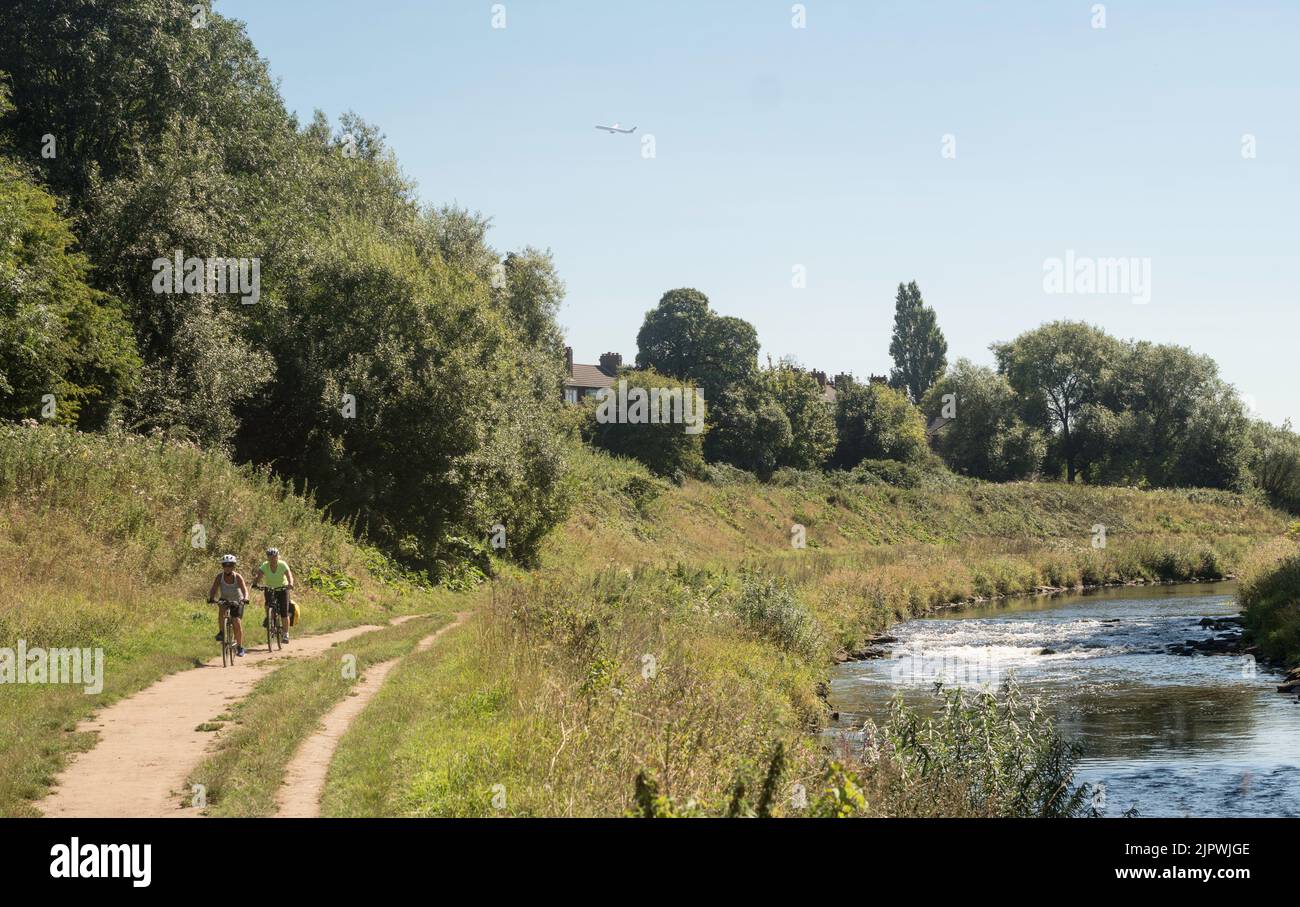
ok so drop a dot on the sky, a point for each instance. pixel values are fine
(963, 145)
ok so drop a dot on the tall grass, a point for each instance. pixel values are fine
(985, 755)
(1270, 597)
(616, 520)
(96, 551)
(670, 652)
(555, 696)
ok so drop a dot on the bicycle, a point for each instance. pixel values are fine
(274, 629)
(229, 647)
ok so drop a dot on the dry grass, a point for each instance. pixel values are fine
(95, 551)
(540, 706)
(1270, 598)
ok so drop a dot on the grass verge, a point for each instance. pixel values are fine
(263, 731)
(1270, 598)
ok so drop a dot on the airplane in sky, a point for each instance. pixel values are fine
(616, 128)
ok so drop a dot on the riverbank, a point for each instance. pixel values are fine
(674, 641)
(1270, 597)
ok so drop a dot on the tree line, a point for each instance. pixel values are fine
(1064, 401)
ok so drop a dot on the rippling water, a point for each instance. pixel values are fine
(1171, 735)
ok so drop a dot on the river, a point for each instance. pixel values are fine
(1171, 735)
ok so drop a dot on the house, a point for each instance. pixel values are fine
(584, 380)
(828, 387)
(937, 424)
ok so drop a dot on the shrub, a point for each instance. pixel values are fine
(874, 421)
(666, 448)
(985, 754)
(769, 608)
(1270, 598)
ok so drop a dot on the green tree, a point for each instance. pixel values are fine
(982, 434)
(875, 422)
(749, 430)
(917, 346)
(1274, 460)
(108, 78)
(665, 447)
(1163, 417)
(532, 295)
(58, 336)
(1055, 370)
(684, 338)
(673, 334)
(165, 137)
(811, 418)
(404, 397)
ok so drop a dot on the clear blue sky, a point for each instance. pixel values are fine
(821, 147)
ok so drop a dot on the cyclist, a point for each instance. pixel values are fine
(229, 583)
(277, 580)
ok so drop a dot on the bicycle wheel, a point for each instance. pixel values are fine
(225, 644)
(269, 631)
(279, 632)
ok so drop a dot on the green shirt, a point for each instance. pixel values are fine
(277, 579)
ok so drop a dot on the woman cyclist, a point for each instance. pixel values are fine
(229, 587)
(277, 580)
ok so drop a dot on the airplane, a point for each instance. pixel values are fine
(616, 128)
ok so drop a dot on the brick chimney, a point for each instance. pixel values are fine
(821, 378)
(568, 361)
(610, 363)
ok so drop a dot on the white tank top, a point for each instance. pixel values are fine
(229, 591)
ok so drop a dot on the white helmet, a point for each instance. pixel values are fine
(229, 559)
(272, 552)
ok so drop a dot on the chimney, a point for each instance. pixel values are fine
(568, 361)
(610, 363)
(821, 378)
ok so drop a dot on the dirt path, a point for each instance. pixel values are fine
(148, 743)
(304, 781)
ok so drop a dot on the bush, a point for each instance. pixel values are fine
(986, 754)
(769, 608)
(726, 474)
(1270, 598)
(889, 472)
(876, 422)
(666, 448)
